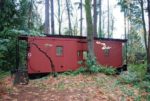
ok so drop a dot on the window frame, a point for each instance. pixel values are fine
(61, 53)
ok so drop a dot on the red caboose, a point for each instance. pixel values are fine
(66, 51)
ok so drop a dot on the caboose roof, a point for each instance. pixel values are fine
(25, 37)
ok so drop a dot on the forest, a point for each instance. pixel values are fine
(76, 18)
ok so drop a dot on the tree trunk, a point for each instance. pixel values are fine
(1, 4)
(125, 25)
(148, 49)
(144, 25)
(95, 18)
(100, 14)
(125, 34)
(108, 19)
(147, 42)
(90, 36)
(30, 14)
(52, 17)
(103, 25)
(81, 18)
(69, 18)
(47, 28)
(112, 25)
(59, 17)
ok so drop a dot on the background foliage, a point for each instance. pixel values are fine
(16, 18)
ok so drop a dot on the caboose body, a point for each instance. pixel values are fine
(65, 52)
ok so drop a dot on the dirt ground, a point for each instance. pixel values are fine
(97, 87)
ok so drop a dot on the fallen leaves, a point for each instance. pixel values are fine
(97, 87)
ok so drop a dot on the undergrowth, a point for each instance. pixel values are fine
(135, 73)
(137, 77)
(3, 74)
(91, 66)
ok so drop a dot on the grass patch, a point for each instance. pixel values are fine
(60, 86)
(3, 74)
(136, 77)
(136, 73)
(94, 69)
(139, 69)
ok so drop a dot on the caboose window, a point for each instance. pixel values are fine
(59, 50)
(79, 53)
(106, 52)
(85, 55)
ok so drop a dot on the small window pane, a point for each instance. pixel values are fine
(85, 55)
(79, 53)
(59, 50)
(106, 52)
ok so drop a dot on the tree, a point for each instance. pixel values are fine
(81, 18)
(58, 1)
(90, 36)
(34, 20)
(52, 17)
(148, 50)
(59, 16)
(108, 31)
(103, 24)
(95, 18)
(126, 8)
(47, 25)
(80, 4)
(100, 19)
(146, 35)
(143, 21)
(68, 5)
(112, 25)
(30, 13)
(135, 47)
(16, 17)
(134, 11)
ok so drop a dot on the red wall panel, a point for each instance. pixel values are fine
(39, 63)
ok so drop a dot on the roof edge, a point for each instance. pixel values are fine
(24, 37)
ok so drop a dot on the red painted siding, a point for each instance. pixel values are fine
(72, 49)
(114, 57)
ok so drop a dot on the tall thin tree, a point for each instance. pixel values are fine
(108, 31)
(47, 25)
(81, 18)
(95, 18)
(100, 15)
(59, 17)
(30, 13)
(125, 24)
(52, 17)
(148, 50)
(146, 37)
(90, 36)
(69, 16)
(125, 33)
(112, 24)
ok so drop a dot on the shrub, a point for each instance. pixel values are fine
(128, 77)
(76, 72)
(67, 73)
(136, 73)
(145, 85)
(89, 65)
(92, 67)
(138, 69)
(107, 70)
(79, 71)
